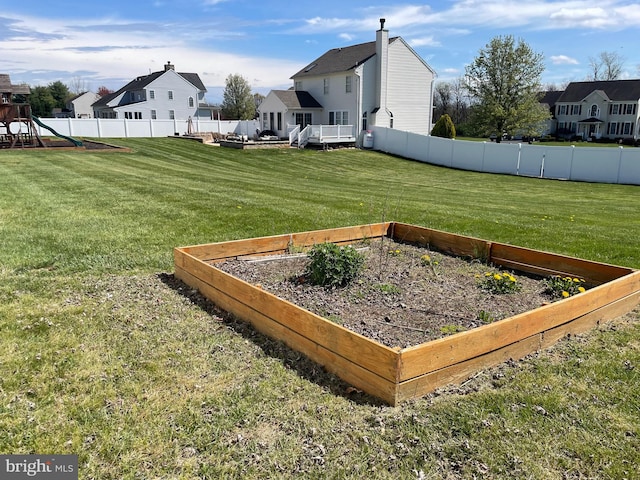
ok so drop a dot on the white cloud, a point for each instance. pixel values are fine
(346, 36)
(133, 50)
(424, 42)
(563, 60)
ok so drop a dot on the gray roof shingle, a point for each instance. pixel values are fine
(297, 99)
(616, 90)
(141, 82)
(340, 59)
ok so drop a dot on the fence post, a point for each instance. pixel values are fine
(619, 164)
(99, 127)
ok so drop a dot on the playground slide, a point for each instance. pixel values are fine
(77, 143)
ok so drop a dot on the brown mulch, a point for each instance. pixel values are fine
(397, 299)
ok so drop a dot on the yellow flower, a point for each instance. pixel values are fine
(565, 294)
(581, 289)
(497, 276)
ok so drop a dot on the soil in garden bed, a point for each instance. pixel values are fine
(400, 298)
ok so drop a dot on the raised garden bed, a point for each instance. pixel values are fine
(398, 374)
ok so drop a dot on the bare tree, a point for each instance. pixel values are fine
(78, 85)
(442, 99)
(606, 66)
(461, 101)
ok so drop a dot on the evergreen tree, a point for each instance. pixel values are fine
(444, 127)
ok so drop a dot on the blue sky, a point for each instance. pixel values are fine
(266, 41)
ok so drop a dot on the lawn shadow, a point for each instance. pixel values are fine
(292, 359)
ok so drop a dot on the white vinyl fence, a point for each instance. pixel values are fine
(588, 164)
(123, 128)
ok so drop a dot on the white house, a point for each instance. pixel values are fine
(383, 83)
(80, 106)
(160, 95)
(602, 109)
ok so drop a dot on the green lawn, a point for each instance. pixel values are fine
(103, 354)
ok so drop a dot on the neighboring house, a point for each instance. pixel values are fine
(80, 106)
(548, 100)
(602, 109)
(160, 95)
(383, 83)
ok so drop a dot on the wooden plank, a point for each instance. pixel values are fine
(359, 349)
(280, 243)
(344, 368)
(450, 243)
(452, 374)
(431, 356)
(546, 263)
(590, 320)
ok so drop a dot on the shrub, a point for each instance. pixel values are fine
(444, 127)
(332, 265)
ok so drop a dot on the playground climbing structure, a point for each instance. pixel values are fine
(16, 125)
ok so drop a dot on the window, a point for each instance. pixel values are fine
(627, 130)
(594, 111)
(339, 117)
(191, 103)
(614, 109)
(128, 115)
(612, 128)
(298, 85)
(172, 114)
(629, 109)
(265, 121)
(138, 115)
(152, 94)
(347, 84)
(279, 120)
(170, 94)
(562, 110)
(576, 109)
(364, 121)
(154, 115)
(326, 86)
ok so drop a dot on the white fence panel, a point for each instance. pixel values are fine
(110, 128)
(138, 128)
(440, 151)
(629, 167)
(596, 164)
(60, 125)
(82, 127)
(531, 158)
(501, 158)
(607, 165)
(466, 156)
(557, 162)
(123, 128)
(417, 148)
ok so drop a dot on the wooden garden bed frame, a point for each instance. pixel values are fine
(394, 374)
